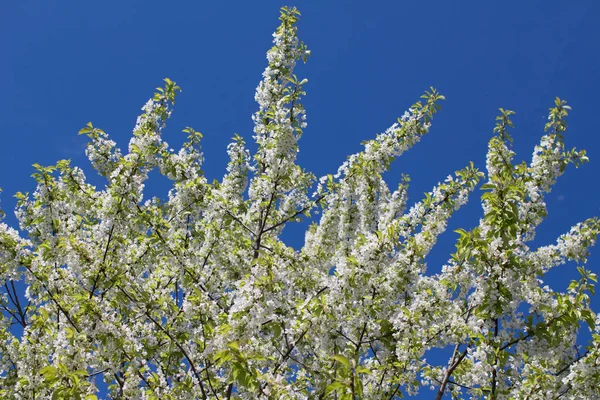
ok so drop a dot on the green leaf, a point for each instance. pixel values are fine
(362, 370)
(234, 345)
(48, 371)
(86, 129)
(342, 360)
(352, 260)
(333, 387)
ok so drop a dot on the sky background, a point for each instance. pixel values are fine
(65, 63)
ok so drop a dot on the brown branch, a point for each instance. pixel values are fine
(302, 211)
(453, 364)
(236, 219)
(53, 299)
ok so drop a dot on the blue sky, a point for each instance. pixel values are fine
(65, 63)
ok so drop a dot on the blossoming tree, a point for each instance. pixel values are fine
(196, 297)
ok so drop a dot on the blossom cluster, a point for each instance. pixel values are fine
(197, 297)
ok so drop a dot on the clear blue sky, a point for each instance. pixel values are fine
(65, 63)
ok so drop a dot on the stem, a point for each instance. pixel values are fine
(495, 371)
(453, 364)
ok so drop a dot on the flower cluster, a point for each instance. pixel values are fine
(197, 296)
